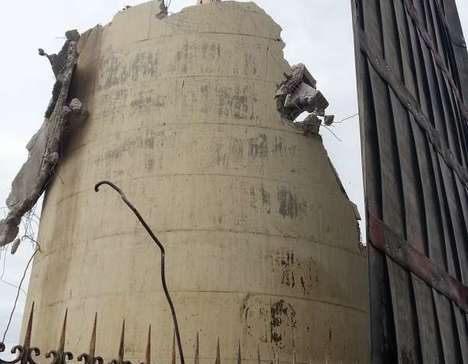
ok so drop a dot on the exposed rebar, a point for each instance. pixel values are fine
(163, 256)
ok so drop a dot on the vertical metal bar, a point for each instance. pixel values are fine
(163, 261)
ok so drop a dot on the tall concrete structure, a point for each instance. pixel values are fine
(262, 243)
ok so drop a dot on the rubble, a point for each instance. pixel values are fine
(298, 94)
(46, 145)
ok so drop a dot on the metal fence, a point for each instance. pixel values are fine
(28, 353)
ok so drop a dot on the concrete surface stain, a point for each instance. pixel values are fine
(283, 316)
(290, 206)
(258, 147)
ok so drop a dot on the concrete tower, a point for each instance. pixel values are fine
(262, 244)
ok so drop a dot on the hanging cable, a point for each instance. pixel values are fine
(17, 294)
(5, 254)
(346, 118)
(332, 133)
(12, 285)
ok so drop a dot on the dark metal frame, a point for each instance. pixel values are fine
(412, 71)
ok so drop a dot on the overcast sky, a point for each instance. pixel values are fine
(317, 33)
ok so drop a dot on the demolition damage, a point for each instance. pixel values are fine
(298, 94)
(46, 145)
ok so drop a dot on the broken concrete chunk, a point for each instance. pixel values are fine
(311, 125)
(298, 94)
(46, 145)
(329, 119)
(73, 35)
(8, 230)
(30, 171)
(15, 246)
(75, 104)
(307, 99)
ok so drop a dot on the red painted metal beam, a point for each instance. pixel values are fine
(403, 253)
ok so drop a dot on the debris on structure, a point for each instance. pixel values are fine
(163, 10)
(46, 145)
(298, 94)
(59, 63)
(311, 124)
(15, 246)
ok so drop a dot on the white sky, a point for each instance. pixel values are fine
(317, 33)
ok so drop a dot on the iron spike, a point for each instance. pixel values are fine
(89, 358)
(294, 357)
(197, 350)
(122, 343)
(64, 331)
(218, 353)
(148, 347)
(121, 355)
(239, 355)
(92, 343)
(26, 352)
(27, 336)
(60, 356)
(258, 355)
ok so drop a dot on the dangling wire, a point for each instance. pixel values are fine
(13, 286)
(5, 254)
(17, 294)
(332, 133)
(29, 232)
(347, 118)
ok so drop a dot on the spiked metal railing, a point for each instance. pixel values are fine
(148, 348)
(121, 359)
(90, 357)
(26, 353)
(61, 356)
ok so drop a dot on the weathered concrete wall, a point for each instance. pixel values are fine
(262, 245)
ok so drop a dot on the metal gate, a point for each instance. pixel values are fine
(412, 71)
